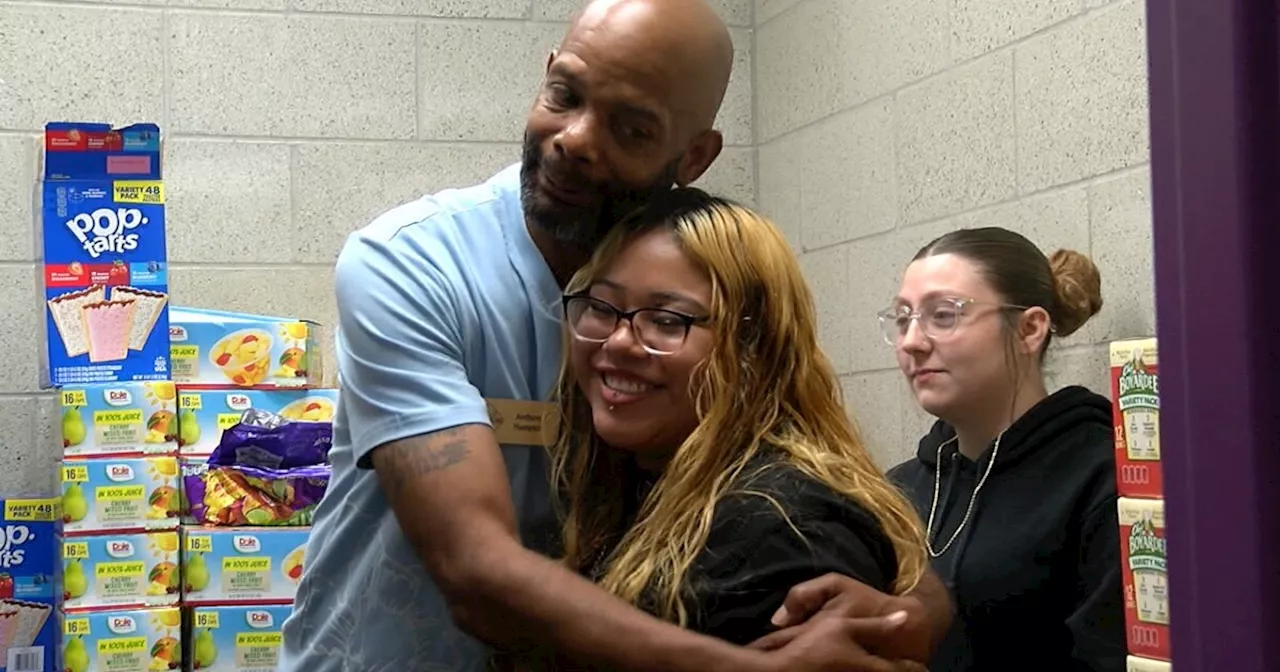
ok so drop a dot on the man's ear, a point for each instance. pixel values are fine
(702, 152)
(551, 58)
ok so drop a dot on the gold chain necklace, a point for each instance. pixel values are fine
(937, 487)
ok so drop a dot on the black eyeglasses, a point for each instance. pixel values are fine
(658, 330)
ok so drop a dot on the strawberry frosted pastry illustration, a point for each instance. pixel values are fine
(108, 324)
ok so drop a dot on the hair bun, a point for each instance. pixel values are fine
(1077, 289)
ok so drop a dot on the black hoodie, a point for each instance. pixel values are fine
(1035, 573)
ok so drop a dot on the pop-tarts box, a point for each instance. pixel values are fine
(120, 571)
(127, 639)
(236, 639)
(130, 494)
(119, 419)
(214, 347)
(30, 592)
(205, 412)
(105, 260)
(242, 565)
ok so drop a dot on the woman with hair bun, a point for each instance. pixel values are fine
(1016, 485)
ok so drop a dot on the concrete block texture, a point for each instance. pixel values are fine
(288, 124)
(863, 128)
(883, 125)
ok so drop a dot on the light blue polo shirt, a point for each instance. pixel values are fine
(441, 302)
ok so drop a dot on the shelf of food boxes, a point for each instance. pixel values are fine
(1135, 396)
(195, 441)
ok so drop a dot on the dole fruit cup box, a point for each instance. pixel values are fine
(1144, 570)
(1135, 404)
(120, 495)
(1139, 664)
(30, 539)
(236, 639)
(242, 565)
(119, 419)
(204, 412)
(105, 264)
(120, 571)
(213, 347)
(130, 639)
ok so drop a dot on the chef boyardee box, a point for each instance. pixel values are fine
(236, 639)
(242, 565)
(1144, 571)
(119, 419)
(120, 494)
(1139, 664)
(120, 571)
(105, 264)
(30, 538)
(214, 347)
(1135, 405)
(205, 412)
(128, 639)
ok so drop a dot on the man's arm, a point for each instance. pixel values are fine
(416, 419)
(451, 496)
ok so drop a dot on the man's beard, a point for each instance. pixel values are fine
(586, 225)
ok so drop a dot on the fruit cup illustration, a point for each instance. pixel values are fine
(74, 656)
(73, 430)
(162, 427)
(292, 565)
(166, 654)
(163, 503)
(309, 409)
(74, 583)
(164, 579)
(204, 650)
(244, 357)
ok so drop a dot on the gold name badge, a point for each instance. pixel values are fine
(523, 423)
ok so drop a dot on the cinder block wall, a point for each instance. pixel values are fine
(864, 127)
(288, 124)
(882, 124)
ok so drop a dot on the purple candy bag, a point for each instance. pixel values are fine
(266, 440)
(244, 495)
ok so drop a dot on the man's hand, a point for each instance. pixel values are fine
(891, 626)
(832, 642)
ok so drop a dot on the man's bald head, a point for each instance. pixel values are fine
(627, 109)
(685, 38)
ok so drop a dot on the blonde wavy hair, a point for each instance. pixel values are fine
(765, 384)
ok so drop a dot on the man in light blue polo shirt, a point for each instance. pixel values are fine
(432, 537)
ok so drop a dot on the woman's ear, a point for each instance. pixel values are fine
(1033, 328)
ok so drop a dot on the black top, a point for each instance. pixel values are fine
(1036, 571)
(753, 556)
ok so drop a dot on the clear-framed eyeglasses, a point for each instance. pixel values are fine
(937, 317)
(658, 330)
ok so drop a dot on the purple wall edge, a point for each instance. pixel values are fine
(1215, 107)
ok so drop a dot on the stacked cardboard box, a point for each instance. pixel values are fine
(1135, 395)
(145, 390)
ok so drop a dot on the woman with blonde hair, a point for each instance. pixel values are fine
(704, 457)
(1017, 484)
